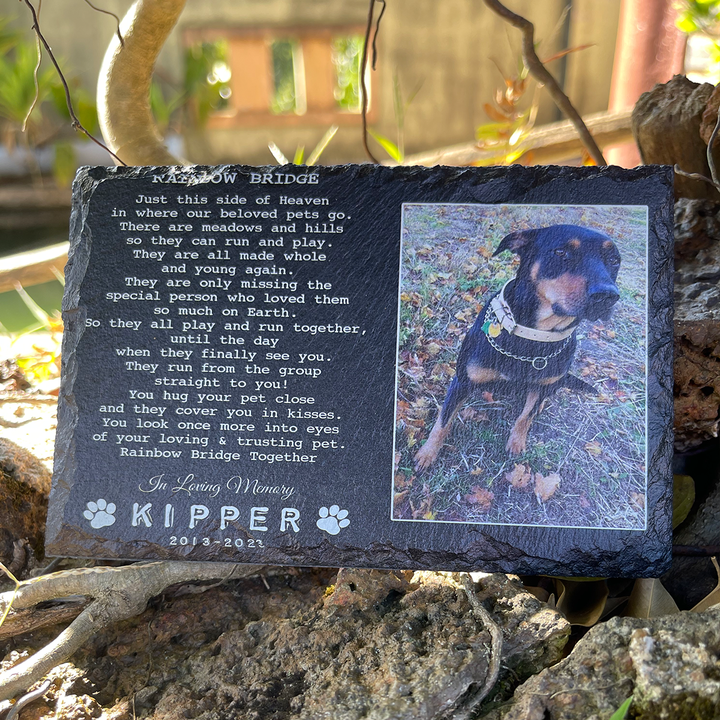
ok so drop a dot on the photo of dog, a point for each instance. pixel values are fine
(527, 318)
(526, 333)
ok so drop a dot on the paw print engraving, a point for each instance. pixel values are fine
(100, 513)
(332, 519)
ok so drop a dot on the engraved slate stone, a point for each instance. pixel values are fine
(362, 366)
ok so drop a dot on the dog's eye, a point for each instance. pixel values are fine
(561, 252)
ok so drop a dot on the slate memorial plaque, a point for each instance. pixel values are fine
(440, 368)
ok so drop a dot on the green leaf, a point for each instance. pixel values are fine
(683, 498)
(491, 131)
(299, 155)
(621, 712)
(387, 145)
(324, 142)
(278, 154)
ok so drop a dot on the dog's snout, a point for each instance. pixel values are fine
(600, 300)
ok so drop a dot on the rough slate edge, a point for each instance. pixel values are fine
(74, 316)
(633, 553)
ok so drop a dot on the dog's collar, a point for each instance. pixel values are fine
(505, 317)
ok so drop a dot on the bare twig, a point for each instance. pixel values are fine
(363, 84)
(710, 158)
(38, 46)
(118, 594)
(107, 12)
(541, 74)
(377, 28)
(695, 176)
(496, 643)
(27, 699)
(68, 100)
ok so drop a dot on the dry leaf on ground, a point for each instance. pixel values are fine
(545, 486)
(520, 477)
(481, 497)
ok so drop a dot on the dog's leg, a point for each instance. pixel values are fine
(457, 392)
(518, 436)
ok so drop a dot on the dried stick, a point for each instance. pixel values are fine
(68, 100)
(496, 646)
(710, 158)
(107, 12)
(27, 699)
(541, 74)
(118, 594)
(363, 69)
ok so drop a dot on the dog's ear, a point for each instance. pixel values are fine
(516, 241)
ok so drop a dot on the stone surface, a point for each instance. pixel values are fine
(666, 125)
(697, 322)
(133, 480)
(668, 665)
(364, 644)
(24, 488)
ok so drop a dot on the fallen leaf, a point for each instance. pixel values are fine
(520, 477)
(477, 471)
(714, 597)
(593, 447)
(638, 499)
(545, 487)
(650, 599)
(683, 497)
(582, 602)
(481, 497)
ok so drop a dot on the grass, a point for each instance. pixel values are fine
(594, 443)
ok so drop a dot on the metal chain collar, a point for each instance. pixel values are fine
(539, 362)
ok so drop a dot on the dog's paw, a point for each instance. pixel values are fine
(425, 457)
(516, 443)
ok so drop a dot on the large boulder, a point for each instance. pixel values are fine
(666, 126)
(697, 322)
(24, 489)
(668, 665)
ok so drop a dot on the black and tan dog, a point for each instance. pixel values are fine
(525, 335)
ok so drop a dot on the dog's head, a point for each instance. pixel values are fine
(571, 269)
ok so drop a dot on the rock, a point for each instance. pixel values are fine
(401, 650)
(370, 645)
(667, 664)
(697, 322)
(24, 488)
(666, 126)
(710, 116)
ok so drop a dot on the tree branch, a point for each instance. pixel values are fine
(541, 74)
(118, 594)
(68, 100)
(123, 98)
(363, 84)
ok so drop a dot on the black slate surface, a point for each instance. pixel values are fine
(125, 495)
